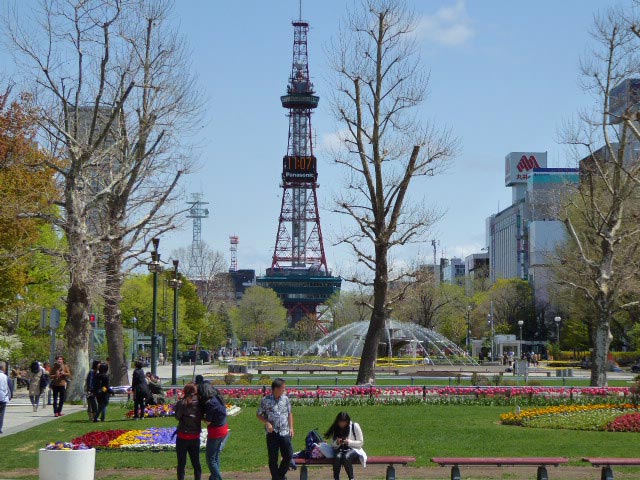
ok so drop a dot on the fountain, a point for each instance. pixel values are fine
(403, 342)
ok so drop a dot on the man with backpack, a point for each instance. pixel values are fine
(275, 414)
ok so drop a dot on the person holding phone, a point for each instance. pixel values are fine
(347, 441)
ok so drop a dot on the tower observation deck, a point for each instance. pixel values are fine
(299, 272)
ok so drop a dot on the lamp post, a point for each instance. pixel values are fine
(134, 346)
(469, 329)
(490, 322)
(18, 300)
(520, 324)
(175, 284)
(155, 267)
(558, 320)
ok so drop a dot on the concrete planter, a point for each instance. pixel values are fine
(67, 464)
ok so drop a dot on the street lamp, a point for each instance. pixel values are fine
(520, 324)
(490, 321)
(558, 320)
(19, 298)
(469, 329)
(175, 284)
(134, 347)
(155, 267)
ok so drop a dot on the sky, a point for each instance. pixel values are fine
(503, 77)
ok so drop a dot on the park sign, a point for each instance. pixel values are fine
(519, 165)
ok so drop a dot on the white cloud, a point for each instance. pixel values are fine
(449, 26)
(332, 141)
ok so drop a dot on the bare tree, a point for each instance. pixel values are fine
(601, 218)
(379, 84)
(213, 281)
(114, 95)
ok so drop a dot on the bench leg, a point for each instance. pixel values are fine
(304, 473)
(542, 473)
(607, 473)
(391, 473)
(455, 473)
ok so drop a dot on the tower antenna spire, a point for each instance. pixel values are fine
(300, 10)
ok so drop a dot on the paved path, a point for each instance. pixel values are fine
(20, 416)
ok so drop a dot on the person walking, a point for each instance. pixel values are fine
(35, 375)
(275, 414)
(215, 416)
(102, 391)
(140, 390)
(347, 441)
(60, 375)
(189, 416)
(6, 392)
(92, 401)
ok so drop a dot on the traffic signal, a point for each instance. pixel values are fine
(92, 320)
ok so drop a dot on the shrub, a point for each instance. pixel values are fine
(247, 377)
(229, 379)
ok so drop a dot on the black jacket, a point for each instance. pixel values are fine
(215, 411)
(189, 415)
(139, 382)
(101, 386)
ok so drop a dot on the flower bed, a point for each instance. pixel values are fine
(153, 438)
(573, 417)
(168, 410)
(98, 439)
(526, 395)
(625, 423)
(154, 411)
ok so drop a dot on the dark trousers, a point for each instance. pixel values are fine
(344, 458)
(138, 405)
(92, 404)
(191, 447)
(3, 407)
(58, 398)
(277, 443)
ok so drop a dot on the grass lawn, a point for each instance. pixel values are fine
(423, 431)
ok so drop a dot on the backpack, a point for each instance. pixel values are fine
(44, 380)
(312, 439)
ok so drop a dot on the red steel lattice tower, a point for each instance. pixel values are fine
(299, 239)
(299, 273)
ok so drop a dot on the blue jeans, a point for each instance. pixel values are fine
(214, 447)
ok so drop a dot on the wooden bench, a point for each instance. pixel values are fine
(607, 463)
(338, 370)
(390, 462)
(541, 462)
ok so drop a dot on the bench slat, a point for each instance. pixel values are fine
(480, 461)
(387, 460)
(601, 461)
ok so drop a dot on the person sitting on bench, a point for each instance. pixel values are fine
(347, 441)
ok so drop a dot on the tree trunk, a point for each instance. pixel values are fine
(77, 337)
(601, 341)
(367, 370)
(118, 364)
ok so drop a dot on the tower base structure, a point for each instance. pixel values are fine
(301, 290)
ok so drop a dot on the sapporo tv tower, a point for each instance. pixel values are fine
(299, 272)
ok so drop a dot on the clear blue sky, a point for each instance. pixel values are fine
(504, 74)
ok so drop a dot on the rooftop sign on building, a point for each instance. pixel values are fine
(519, 165)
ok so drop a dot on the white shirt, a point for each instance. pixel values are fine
(5, 393)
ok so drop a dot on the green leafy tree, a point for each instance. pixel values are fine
(347, 307)
(260, 316)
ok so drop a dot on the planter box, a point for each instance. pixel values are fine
(67, 464)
